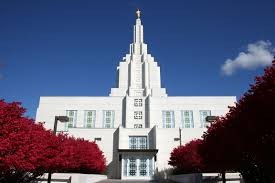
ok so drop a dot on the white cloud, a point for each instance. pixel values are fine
(259, 54)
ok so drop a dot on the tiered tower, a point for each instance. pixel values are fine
(138, 80)
(138, 73)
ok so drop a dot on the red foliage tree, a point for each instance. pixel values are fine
(244, 139)
(27, 150)
(81, 156)
(186, 158)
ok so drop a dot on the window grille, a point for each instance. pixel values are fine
(138, 102)
(72, 114)
(137, 142)
(187, 119)
(137, 114)
(168, 119)
(89, 119)
(108, 119)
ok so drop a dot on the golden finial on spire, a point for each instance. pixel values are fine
(138, 12)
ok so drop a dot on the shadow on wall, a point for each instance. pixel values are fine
(113, 169)
(124, 112)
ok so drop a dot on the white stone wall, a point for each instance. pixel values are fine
(49, 107)
(165, 143)
(126, 132)
(130, 109)
(217, 105)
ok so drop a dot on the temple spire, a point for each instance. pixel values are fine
(138, 29)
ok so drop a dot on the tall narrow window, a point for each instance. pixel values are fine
(203, 115)
(168, 119)
(187, 119)
(137, 142)
(89, 119)
(72, 114)
(108, 119)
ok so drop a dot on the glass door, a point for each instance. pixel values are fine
(138, 166)
(132, 170)
(143, 167)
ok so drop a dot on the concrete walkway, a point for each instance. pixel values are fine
(134, 181)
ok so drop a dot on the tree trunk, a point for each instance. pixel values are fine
(223, 177)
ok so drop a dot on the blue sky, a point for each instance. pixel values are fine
(72, 48)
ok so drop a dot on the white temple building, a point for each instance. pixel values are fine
(138, 124)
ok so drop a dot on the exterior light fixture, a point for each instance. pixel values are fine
(62, 119)
(211, 119)
(178, 138)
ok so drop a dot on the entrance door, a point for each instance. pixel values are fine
(132, 168)
(137, 167)
(143, 167)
